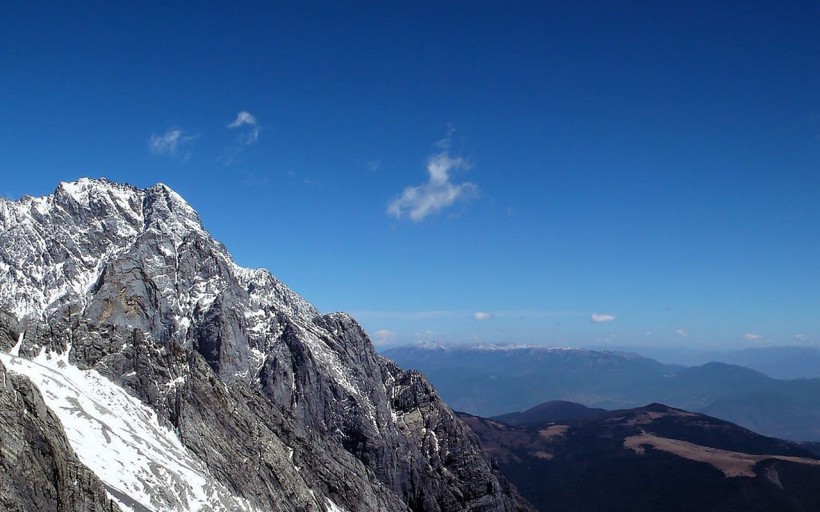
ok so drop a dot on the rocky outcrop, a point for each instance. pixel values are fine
(287, 408)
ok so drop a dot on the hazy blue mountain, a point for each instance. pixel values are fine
(489, 380)
(557, 410)
(787, 362)
(777, 362)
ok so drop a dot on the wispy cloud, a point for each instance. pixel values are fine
(170, 143)
(682, 333)
(242, 118)
(482, 315)
(247, 123)
(383, 337)
(750, 336)
(439, 192)
(600, 318)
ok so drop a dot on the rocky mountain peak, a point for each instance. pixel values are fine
(127, 284)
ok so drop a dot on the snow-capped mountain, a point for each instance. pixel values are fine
(183, 381)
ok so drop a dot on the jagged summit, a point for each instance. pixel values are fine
(108, 291)
(57, 247)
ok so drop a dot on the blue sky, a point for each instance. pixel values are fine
(565, 173)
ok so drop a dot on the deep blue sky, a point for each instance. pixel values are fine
(653, 164)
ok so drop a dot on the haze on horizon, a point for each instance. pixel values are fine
(558, 174)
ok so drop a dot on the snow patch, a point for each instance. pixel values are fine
(15, 350)
(433, 435)
(176, 382)
(333, 507)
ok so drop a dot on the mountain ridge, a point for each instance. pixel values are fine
(652, 457)
(127, 283)
(489, 383)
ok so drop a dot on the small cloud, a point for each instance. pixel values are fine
(373, 165)
(482, 315)
(383, 337)
(169, 143)
(801, 338)
(439, 192)
(750, 336)
(682, 333)
(245, 118)
(599, 318)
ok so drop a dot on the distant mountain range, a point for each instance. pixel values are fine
(489, 380)
(782, 362)
(653, 458)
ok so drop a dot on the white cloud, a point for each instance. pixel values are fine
(801, 337)
(169, 143)
(682, 333)
(599, 318)
(383, 336)
(482, 315)
(245, 118)
(750, 336)
(439, 192)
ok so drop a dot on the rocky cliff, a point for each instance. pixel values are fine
(267, 403)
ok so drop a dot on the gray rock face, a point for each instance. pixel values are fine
(38, 468)
(287, 408)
